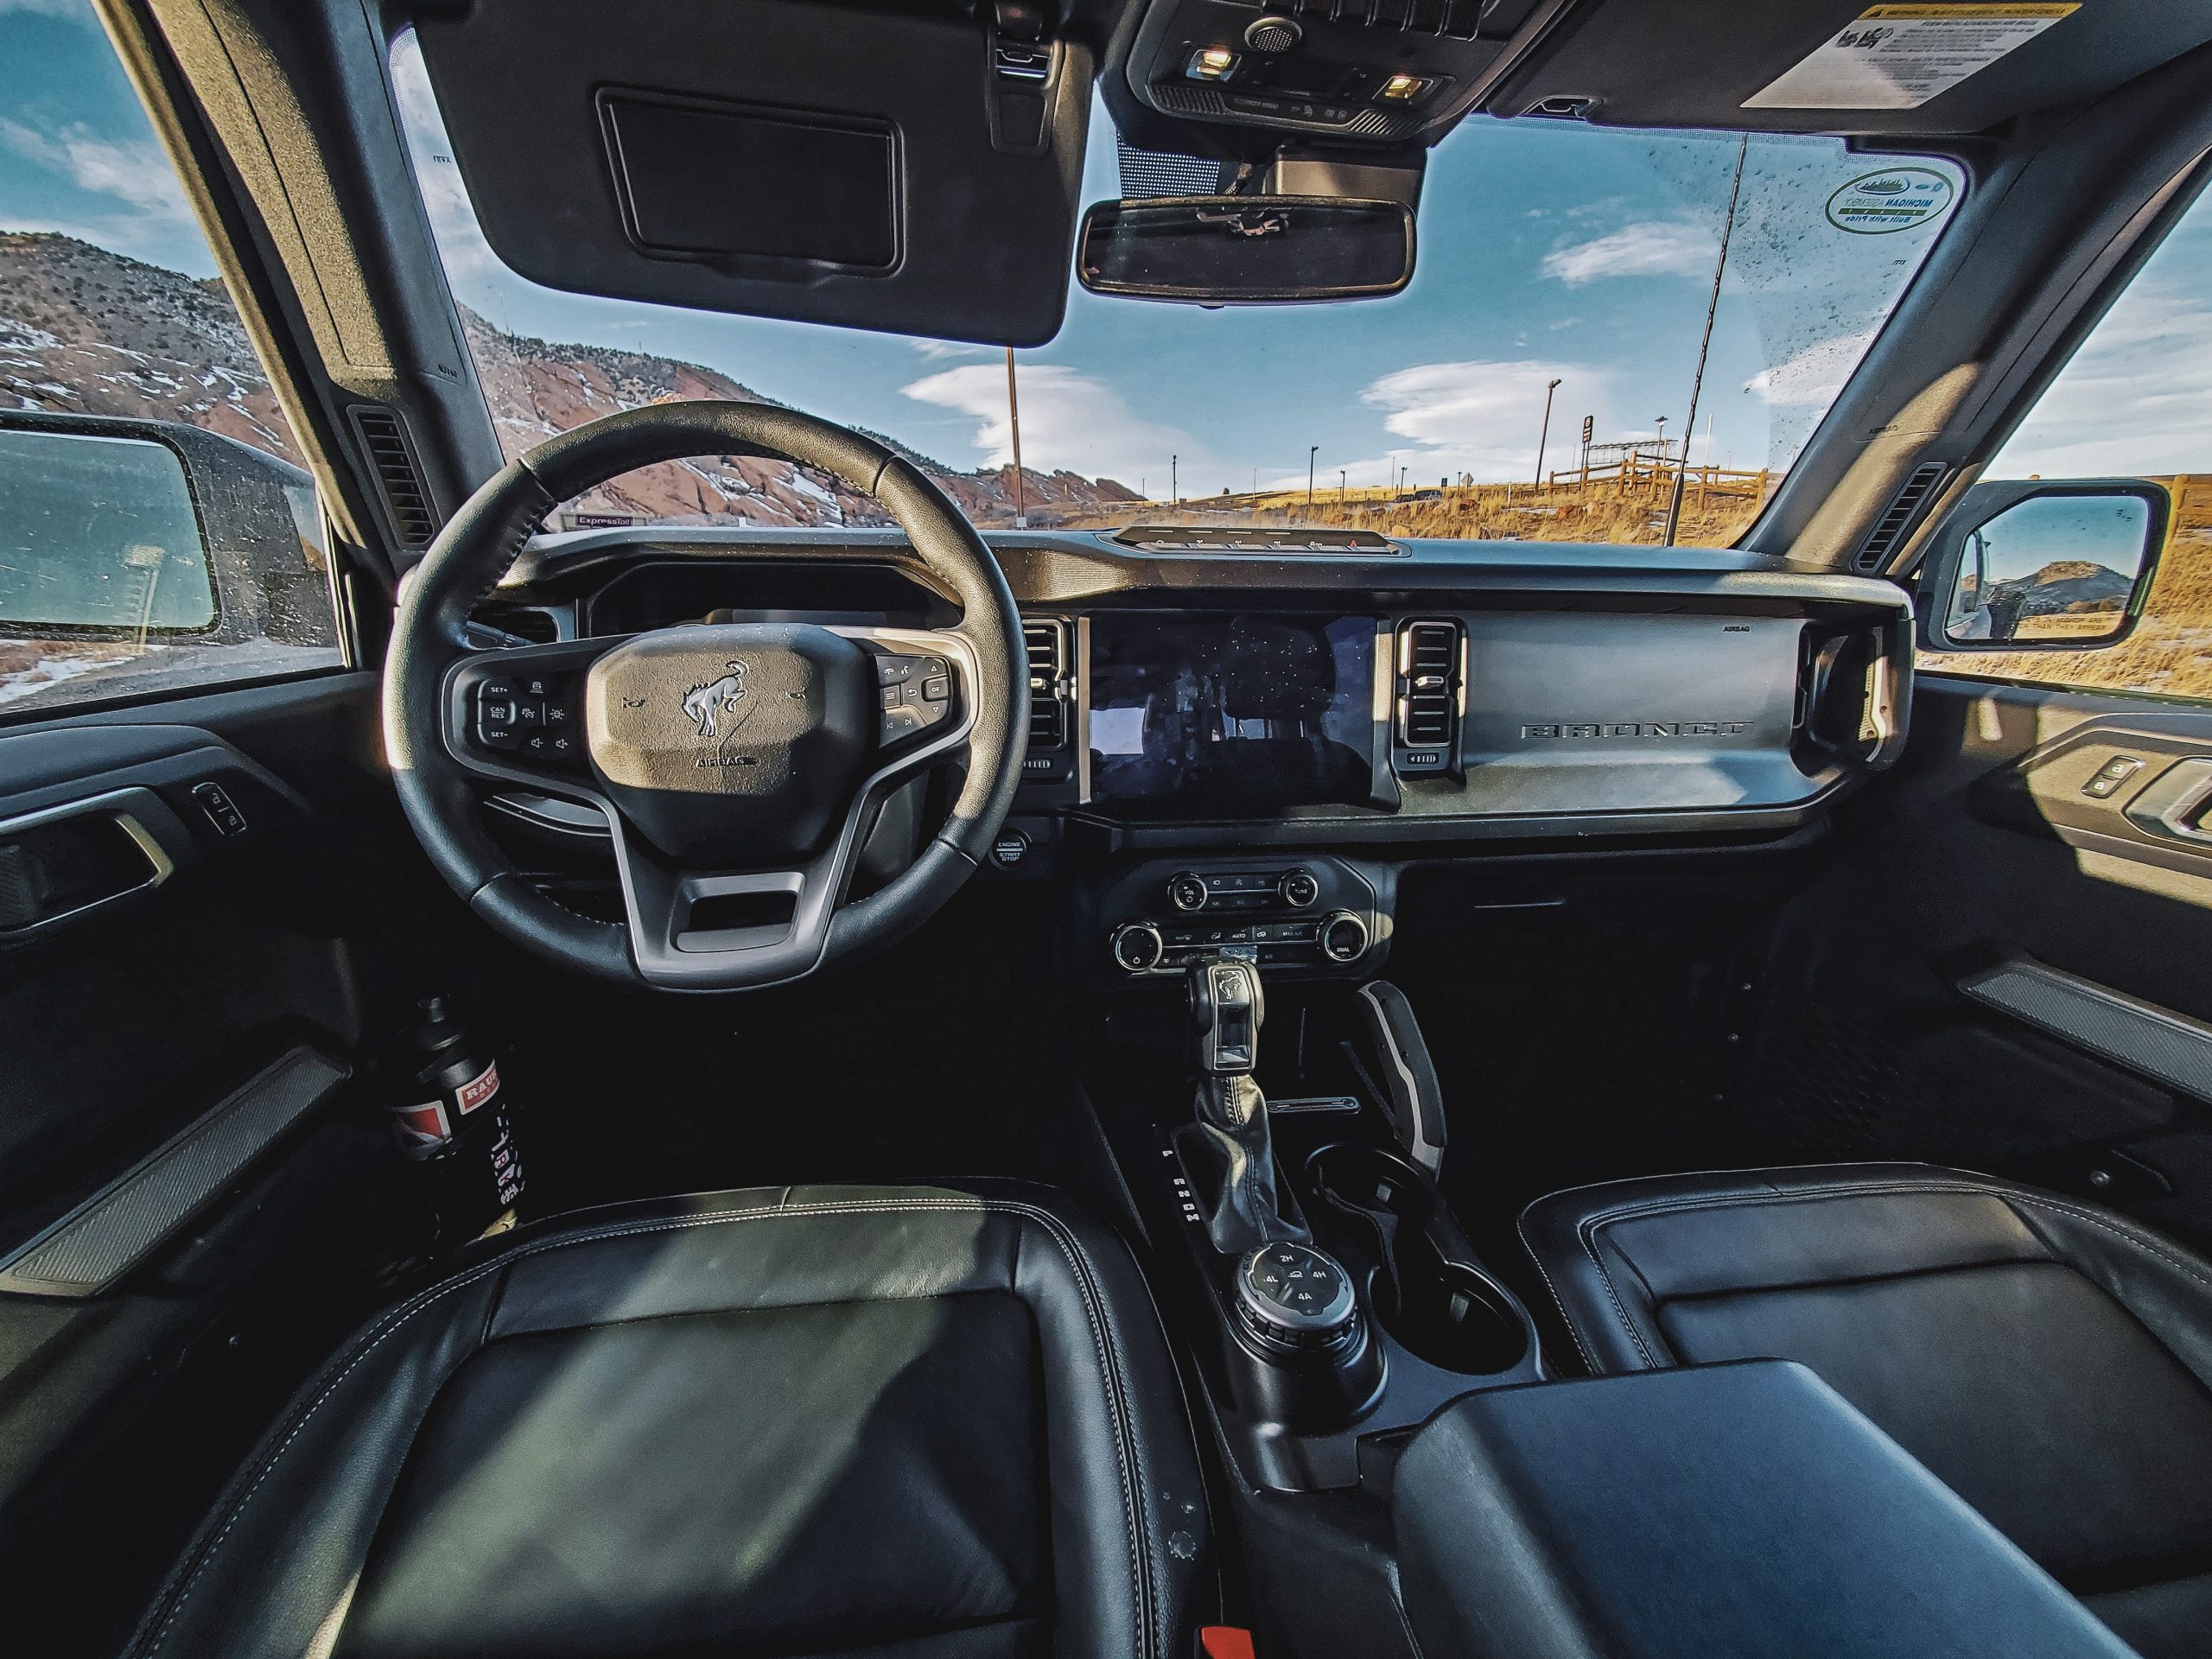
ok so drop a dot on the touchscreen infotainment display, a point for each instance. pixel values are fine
(1231, 714)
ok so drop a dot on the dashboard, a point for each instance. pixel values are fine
(1265, 713)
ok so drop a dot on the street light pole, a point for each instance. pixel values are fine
(1312, 450)
(1544, 432)
(1175, 480)
(1343, 484)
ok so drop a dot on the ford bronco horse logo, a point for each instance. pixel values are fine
(707, 703)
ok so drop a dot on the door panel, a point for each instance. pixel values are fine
(188, 1147)
(1984, 859)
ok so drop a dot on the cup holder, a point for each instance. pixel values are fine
(1437, 1306)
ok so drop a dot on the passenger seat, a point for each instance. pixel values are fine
(2051, 1360)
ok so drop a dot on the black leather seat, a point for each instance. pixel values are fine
(2051, 1360)
(921, 1422)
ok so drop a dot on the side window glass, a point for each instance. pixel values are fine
(157, 531)
(2041, 575)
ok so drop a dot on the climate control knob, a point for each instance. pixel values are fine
(1137, 947)
(1344, 936)
(1297, 888)
(1186, 891)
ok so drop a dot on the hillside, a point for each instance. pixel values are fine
(90, 332)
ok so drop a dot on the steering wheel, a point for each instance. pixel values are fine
(737, 765)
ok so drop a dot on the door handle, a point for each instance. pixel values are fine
(2173, 804)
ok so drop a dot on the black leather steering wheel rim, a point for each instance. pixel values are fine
(481, 543)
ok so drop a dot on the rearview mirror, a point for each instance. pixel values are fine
(1246, 249)
(2058, 566)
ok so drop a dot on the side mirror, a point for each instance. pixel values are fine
(150, 532)
(2026, 565)
(98, 533)
(1246, 249)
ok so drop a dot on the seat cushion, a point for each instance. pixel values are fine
(2048, 1359)
(920, 1422)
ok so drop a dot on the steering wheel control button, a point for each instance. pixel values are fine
(915, 693)
(1295, 1297)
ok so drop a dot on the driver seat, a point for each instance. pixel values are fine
(896, 1422)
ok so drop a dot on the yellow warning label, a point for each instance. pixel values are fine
(1897, 57)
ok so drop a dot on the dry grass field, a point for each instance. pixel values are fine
(1634, 511)
(2170, 653)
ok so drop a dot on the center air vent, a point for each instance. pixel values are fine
(1047, 641)
(1429, 681)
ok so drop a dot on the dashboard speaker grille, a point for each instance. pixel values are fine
(1047, 642)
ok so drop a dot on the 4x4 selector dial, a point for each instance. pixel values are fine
(1137, 947)
(1186, 892)
(1297, 888)
(1293, 1296)
(1344, 936)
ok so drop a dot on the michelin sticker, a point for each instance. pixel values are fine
(1896, 198)
(1898, 57)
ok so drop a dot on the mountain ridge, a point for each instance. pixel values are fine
(87, 331)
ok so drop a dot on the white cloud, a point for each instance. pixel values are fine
(1653, 248)
(1481, 417)
(452, 217)
(937, 350)
(1069, 419)
(136, 172)
(2132, 402)
(1811, 378)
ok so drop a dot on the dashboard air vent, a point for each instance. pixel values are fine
(1048, 643)
(1889, 532)
(1429, 696)
(385, 445)
(525, 622)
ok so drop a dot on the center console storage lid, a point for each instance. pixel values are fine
(1725, 1510)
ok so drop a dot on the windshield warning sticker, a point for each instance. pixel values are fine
(1896, 198)
(1898, 57)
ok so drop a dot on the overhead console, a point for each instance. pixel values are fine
(1394, 71)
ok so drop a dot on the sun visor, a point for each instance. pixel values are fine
(1854, 67)
(862, 168)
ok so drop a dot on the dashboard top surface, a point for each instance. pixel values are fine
(1062, 567)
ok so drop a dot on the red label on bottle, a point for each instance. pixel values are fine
(421, 1130)
(479, 1089)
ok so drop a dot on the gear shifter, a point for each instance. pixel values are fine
(1230, 1139)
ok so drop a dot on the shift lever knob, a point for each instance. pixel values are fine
(1226, 1008)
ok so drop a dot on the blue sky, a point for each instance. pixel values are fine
(1547, 250)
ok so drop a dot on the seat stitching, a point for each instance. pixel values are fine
(1558, 1301)
(1587, 1226)
(1062, 1236)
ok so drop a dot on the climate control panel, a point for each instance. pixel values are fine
(1318, 916)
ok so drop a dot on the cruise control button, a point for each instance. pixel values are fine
(530, 714)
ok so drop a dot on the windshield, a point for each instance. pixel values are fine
(1535, 380)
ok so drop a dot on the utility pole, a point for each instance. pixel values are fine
(1344, 485)
(1175, 480)
(1013, 417)
(1544, 433)
(1713, 305)
(1312, 450)
(1589, 426)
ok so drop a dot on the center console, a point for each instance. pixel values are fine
(1292, 916)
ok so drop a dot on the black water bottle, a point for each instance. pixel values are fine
(450, 1114)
